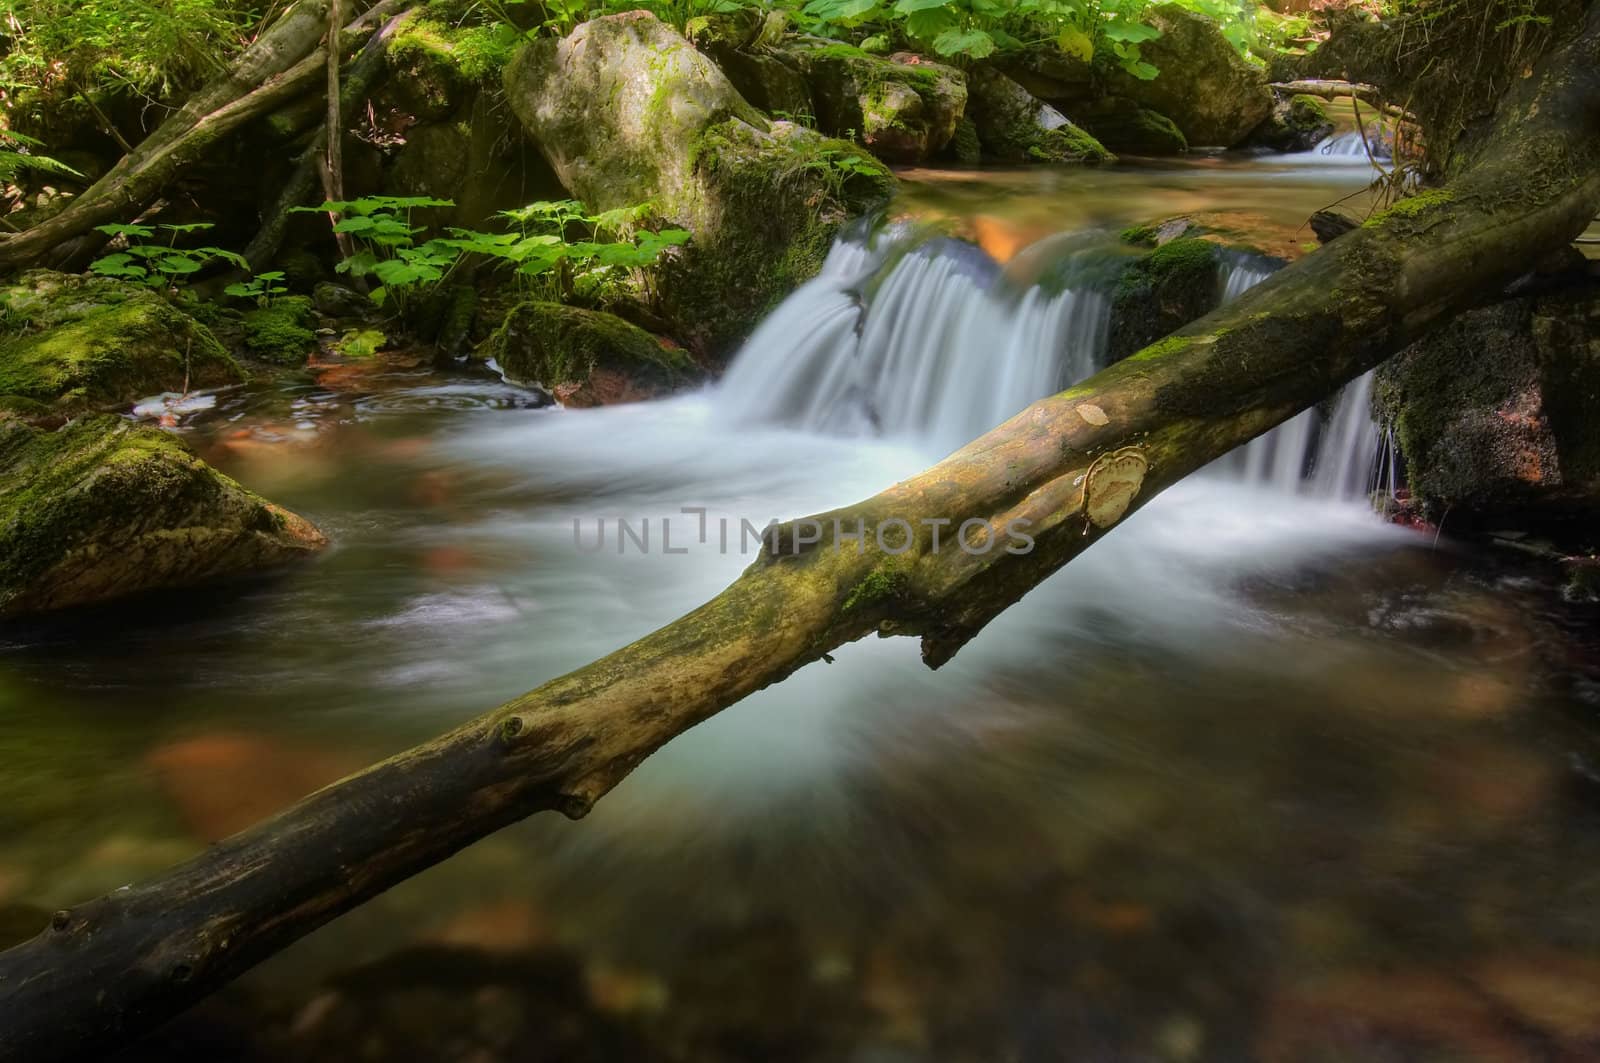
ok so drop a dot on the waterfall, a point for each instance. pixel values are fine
(1337, 456)
(1352, 146)
(936, 343)
(933, 343)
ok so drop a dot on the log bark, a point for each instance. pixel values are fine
(283, 63)
(1072, 465)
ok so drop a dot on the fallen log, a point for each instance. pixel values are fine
(1065, 471)
(1327, 89)
(282, 64)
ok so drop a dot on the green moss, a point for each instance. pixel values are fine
(1069, 143)
(1191, 256)
(1308, 110)
(884, 583)
(88, 342)
(281, 333)
(838, 50)
(1412, 207)
(1161, 292)
(1164, 348)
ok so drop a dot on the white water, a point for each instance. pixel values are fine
(939, 345)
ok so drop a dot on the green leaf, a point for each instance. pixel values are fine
(188, 227)
(119, 229)
(973, 43)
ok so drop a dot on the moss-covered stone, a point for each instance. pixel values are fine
(966, 147)
(627, 112)
(903, 107)
(1124, 126)
(586, 357)
(1205, 86)
(434, 66)
(102, 508)
(1494, 414)
(1014, 127)
(1297, 124)
(281, 332)
(1162, 291)
(90, 342)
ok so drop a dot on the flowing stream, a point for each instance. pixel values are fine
(1256, 764)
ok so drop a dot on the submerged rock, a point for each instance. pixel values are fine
(102, 508)
(1493, 414)
(585, 357)
(76, 343)
(626, 111)
(1015, 127)
(1206, 87)
(904, 107)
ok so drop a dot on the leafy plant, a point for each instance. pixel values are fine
(262, 287)
(19, 153)
(537, 249)
(158, 265)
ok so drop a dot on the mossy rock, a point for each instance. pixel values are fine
(281, 333)
(102, 508)
(1124, 126)
(1205, 86)
(1013, 126)
(91, 342)
(1494, 415)
(1297, 124)
(770, 81)
(965, 147)
(627, 112)
(1163, 290)
(434, 67)
(903, 107)
(586, 357)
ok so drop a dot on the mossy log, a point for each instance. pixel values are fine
(282, 64)
(1072, 466)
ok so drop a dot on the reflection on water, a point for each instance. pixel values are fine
(1256, 777)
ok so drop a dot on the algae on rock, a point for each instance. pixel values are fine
(91, 342)
(102, 507)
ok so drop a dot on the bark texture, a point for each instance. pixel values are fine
(1073, 465)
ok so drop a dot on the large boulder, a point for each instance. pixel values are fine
(102, 508)
(1015, 127)
(91, 342)
(1122, 125)
(626, 111)
(1205, 86)
(1494, 414)
(586, 357)
(1162, 291)
(903, 107)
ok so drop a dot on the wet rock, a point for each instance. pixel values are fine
(1299, 123)
(1493, 415)
(1015, 127)
(903, 107)
(76, 343)
(342, 303)
(626, 111)
(772, 81)
(1122, 125)
(1162, 291)
(102, 508)
(1205, 86)
(585, 357)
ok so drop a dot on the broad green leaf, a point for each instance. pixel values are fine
(974, 43)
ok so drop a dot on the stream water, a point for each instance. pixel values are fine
(1259, 776)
